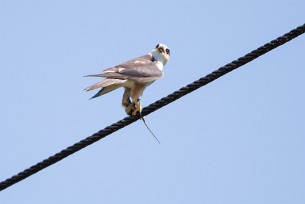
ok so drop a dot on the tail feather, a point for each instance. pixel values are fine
(104, 83)
(105, 90)
(94, 75)
(95, 86)
(97, 94)
(106, 86)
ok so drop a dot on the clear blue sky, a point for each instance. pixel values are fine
(237, 140)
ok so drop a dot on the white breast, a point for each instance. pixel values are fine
(159, 65)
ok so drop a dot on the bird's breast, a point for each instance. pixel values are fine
(129, 84)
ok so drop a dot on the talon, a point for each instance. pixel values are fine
(130, 108)
(134, 113)
(137, 108)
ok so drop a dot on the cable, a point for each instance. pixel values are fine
(154, 106)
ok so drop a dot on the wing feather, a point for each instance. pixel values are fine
(141, 69)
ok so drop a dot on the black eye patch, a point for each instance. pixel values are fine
(167, 51)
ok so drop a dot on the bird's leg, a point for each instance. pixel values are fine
(138, 107)
(126, 102)
(135, 94)
(130, 108)
(140, 111)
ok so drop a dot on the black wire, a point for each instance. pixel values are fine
(154, 106)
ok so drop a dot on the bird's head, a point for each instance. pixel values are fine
(161, 53)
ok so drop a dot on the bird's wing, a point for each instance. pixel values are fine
(141, 69)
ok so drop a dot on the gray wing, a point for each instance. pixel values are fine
(141, 69)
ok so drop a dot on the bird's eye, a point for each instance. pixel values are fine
(157, 45)
(167, 51)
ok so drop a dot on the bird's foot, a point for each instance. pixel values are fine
(130, 108)
(137, 108)
(134, 113)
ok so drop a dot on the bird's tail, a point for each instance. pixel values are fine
(107, 86)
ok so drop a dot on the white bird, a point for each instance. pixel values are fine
(134, 75)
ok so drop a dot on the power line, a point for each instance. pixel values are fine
(154, 106)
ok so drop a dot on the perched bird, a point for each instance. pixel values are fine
(134, 75)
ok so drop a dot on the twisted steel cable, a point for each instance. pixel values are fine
(154, 106)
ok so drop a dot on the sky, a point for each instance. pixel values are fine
(240, 139)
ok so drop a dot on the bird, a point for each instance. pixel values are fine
(134, 76)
